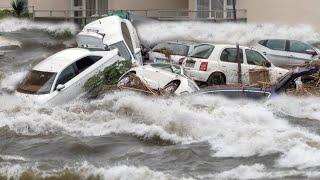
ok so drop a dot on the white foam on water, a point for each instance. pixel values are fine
(234, 128)
(15, 158)
(8, 42)
(87, 171)
(15, 24)
(11, 81)
(154, 32)
(259, 171)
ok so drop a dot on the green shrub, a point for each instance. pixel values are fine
(109, 76)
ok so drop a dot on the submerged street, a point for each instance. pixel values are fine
(125, 135)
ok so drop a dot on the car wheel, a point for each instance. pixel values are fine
(216, 78)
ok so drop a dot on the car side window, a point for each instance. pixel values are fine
(86, 62)
(255, 58)
(66, 75)
(279, 45)
(127, 36)
(230, 55)
(298, 47)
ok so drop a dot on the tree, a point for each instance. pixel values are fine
(19, 8)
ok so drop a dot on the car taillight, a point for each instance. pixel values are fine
(203, 66)
(181, 60)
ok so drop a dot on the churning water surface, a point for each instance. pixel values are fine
(125, 135)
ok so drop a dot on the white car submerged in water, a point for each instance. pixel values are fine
(61, 77)
(115, 33)
(157, 76)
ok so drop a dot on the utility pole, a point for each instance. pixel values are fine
(234, 10)
(239, 65)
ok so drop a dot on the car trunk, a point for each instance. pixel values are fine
(90, 40)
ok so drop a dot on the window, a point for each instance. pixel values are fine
(263, 42)
(37, 82)
(202, 51)
(298, 47)
(177, 49)
(123, 50)
(230, 55)
(203, 7)
(86, 62)
(215, 9)
(279, 45)
(66, 75)
(127, 36)
(255, 58)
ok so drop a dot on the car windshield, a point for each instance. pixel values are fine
(37, 82)
(176, 49)
(202, 51)
(168, 67)
(123, 50)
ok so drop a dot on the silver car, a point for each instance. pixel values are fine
(176, 50)
(286, 53)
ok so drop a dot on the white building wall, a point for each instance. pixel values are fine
(282, 11)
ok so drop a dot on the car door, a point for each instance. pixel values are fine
(66, 78)
(229, 65)
(276, 52)
(255, 61)
(297, 52)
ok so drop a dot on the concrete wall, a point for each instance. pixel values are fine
(5, 4)
(148, 4)
(282, 11)
(56, 5)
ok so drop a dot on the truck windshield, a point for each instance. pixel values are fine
(37, 82)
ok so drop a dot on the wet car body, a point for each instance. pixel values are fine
(179, 50)
(286, 82)
(61, 77)
(156, 79)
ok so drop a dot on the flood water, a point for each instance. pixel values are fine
(125, 135)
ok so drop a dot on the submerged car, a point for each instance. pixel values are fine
(177, 51)
(216, 64)
(285, 52)
(61, 77)
(173, 82)
(114, 32)
(288, 81)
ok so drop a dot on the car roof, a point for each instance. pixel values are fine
(62, 59)
(180, 42)
(225, 45)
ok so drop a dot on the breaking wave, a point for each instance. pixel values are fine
(233, 128)
(259, 171)
(81, 171)
(57, 29)
(154, 32)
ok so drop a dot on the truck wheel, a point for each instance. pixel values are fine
(216, 78)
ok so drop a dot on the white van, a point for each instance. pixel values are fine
(116, 33)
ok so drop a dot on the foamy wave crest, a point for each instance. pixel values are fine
(234, 128)
(155, 32)
(83, 171)
(259, 171)
(15, 24)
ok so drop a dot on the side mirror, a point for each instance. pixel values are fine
(311, 52)
(137, 50)
(268, 64)
(60, 87)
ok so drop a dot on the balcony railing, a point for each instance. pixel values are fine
(85, 16)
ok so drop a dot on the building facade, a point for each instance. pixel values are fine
(274, 11)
